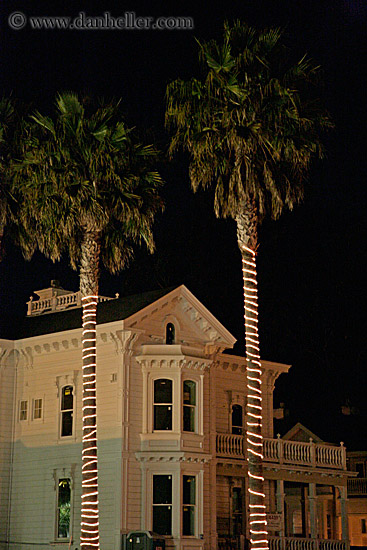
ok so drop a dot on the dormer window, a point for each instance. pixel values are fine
(170, 333)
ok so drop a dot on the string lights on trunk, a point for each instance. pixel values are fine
(254, 438)
(89, 539)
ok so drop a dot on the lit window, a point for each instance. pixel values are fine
(163, 404)
(189, 405)
(37, 410)
(67, 405)
(188, 505)
(63, 508)
(170, 333)
(162, 504)
(23, 410)
(237, 420)
(363, 526)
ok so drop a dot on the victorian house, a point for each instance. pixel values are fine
(171, 446)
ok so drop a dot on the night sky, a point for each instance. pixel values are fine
(311, 261)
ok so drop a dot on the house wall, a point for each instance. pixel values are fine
(41, 456)
(7, 411)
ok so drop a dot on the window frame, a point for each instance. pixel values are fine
(38, 409)
(162, 505)
(193, 506)
(235, 426)
(192, 407)
(57, 510)
(62, 411)
(23, 410)
(165, 404)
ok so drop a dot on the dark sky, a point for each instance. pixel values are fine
(311, 262)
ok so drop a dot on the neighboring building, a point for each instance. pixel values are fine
(357, 498)
(170, 433)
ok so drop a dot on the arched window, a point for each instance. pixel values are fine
(237, 420)
(67, 407)
(189, 405)
(162, 404)
(170, 333)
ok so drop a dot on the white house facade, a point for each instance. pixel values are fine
(171, 447)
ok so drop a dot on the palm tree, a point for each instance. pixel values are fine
(251, 127)
(91, 190)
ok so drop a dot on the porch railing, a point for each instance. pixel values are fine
(297, 543)
(286, 452)
(357, 486)
(58, 303)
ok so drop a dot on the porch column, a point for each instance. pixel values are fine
(312, 500)
(343, 510)
(280, 503)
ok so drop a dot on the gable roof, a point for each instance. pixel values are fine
(299, 432)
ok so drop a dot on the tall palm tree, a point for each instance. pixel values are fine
(91, 190)
(251, 126)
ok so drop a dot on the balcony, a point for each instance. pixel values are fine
(284, 543)
(357, 487)
(296, 543)
(286, 452)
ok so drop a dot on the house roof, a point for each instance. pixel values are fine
(112, 310)
(130, 309)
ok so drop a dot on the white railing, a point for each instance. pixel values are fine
(286, 452)
(297, 543)
(58, 303)
(357, 486)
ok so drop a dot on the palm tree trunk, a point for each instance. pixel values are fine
(89, 272)
(247, 223)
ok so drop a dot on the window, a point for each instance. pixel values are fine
(37, 409)
(188, 505)
(237, 510)
(237, 420)
(189, 406)
(363, 526)
(162, 404)
(162, 504)
(67, 404)
(23, 410)
(360, 469)
(63, 508)
(170, 333)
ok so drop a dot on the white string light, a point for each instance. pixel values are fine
(89, 538)
(254, 398)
